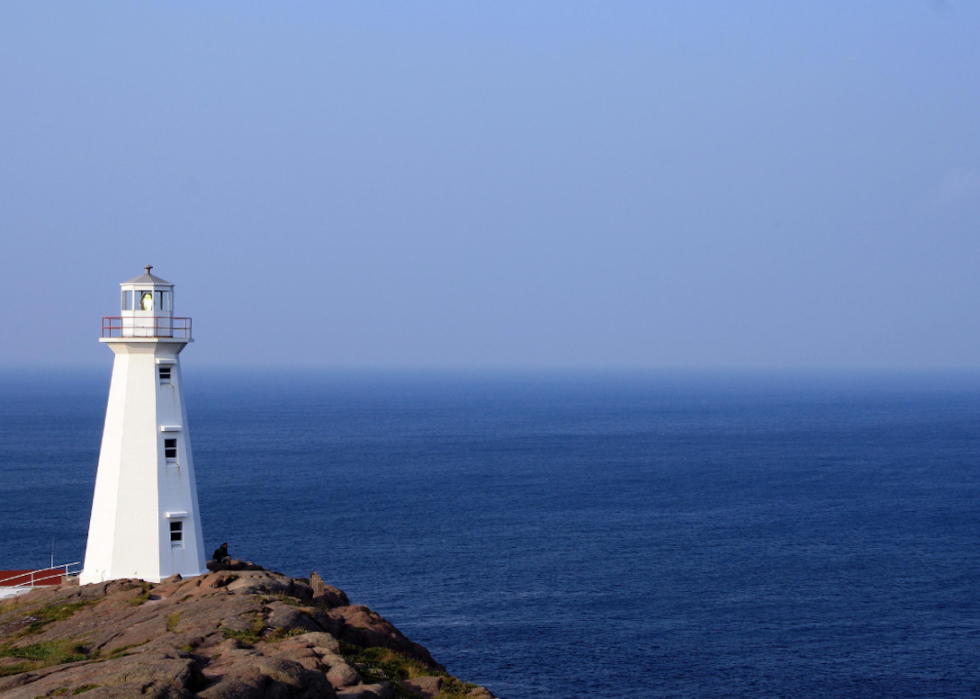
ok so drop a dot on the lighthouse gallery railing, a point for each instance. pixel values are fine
(116, 326)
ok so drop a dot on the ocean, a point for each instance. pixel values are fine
(572, 536)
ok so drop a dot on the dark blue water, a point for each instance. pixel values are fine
(575, 536)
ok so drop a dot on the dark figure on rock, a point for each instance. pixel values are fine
(221, 554)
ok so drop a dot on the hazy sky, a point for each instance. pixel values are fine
(497, 184)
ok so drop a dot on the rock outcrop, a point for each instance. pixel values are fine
(240, 632)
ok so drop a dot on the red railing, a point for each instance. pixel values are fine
(116, 326)
(55, 575)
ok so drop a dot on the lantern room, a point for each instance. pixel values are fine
(147, 293)
(146, 310)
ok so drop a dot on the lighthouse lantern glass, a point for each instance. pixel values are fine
(162, 300)
(146, 300)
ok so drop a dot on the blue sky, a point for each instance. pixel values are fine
(563, 184)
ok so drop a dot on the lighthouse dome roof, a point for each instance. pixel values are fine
(147, 278)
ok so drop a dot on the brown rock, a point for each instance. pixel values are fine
(268, 677)
(330, 658)
(332, 623)
(296, 643)
(290, 650)
(367, 691)
(330, 597)
(320, 639)
(165, 678)
(342, 675)
(233, 564)
(215, 636)
(363, 627)
(284, 616)
(428, 687)
(218, 580)
(234, 688)
(262, 582)
(312, 664)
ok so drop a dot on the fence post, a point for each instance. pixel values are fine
(316, 582)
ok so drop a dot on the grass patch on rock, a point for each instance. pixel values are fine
(377, 664)
(392, 664)
(119, 652)
(453, 687)
(281, 634)
(7, 670)
(285, 599)
(42, 616)
(12, 605)
(41, 655)
(248, 637)
(143, 596)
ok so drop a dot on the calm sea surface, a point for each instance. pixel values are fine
(578, 536)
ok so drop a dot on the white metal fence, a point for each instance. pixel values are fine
(43, 577)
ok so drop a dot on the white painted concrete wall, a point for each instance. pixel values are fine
(135, 489)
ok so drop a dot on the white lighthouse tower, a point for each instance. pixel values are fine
(145, 520)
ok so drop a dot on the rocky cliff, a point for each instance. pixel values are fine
(239, 633)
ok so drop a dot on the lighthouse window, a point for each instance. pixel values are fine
(146, 301)
(162, 300)
(176, 531)
(127, 300)
(164, 374)
(170, 449)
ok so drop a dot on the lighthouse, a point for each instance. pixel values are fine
(145, 520)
